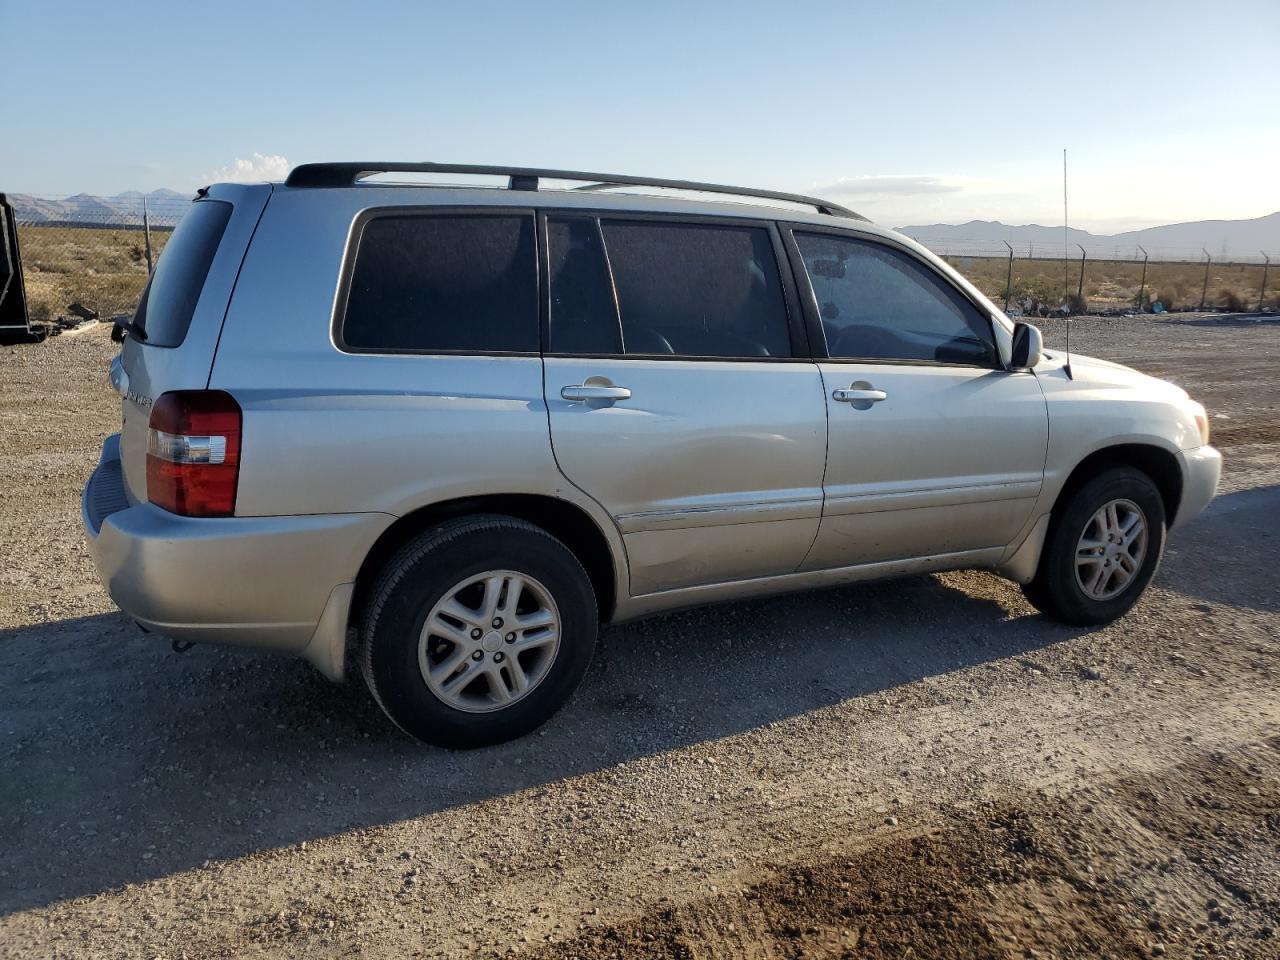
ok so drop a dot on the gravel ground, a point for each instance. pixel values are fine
(917, 768)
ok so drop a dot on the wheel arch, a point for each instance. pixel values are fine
(1156, 462)
(564, 520)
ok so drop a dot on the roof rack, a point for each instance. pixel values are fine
(526, 178)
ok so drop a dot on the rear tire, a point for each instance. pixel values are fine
(1102, 549)
(478, 631)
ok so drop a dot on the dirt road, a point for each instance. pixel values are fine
(918, 768)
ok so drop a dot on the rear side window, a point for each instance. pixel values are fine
(169, 301)
(693, 290)
(444, 283)
(697, 290)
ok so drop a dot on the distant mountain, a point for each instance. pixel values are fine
(993, 231)
(1236, 236)
(1222, 238)
(164, 207)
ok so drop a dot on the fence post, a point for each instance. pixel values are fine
(1142, 290)
(1080, 286)
(1008, 284)
(146, 232)
(1204, 291)
(1266, 265)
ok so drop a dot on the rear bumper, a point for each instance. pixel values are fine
(1201, 470)
(269, 582)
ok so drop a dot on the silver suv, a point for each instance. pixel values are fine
(446, 432)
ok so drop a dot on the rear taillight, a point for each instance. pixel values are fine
(193, 453)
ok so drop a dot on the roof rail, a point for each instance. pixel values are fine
(346, 174)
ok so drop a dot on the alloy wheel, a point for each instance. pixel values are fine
(1111, 549)
(489, 641)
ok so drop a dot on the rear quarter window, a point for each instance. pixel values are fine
(443, 283)
(169, 301)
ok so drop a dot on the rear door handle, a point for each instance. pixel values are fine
(850, 395)
(588, 391)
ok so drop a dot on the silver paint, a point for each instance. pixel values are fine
(708, 479)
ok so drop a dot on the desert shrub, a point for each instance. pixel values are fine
(1042, 292)
(1077, 304)
(1232, 299)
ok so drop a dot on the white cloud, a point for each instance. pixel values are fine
(896, 185)
(260, 167)
(898, 199)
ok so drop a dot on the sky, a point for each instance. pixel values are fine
(909, 112)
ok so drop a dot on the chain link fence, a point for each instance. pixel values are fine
(90, 252)
(95, 253)
(1105, 278)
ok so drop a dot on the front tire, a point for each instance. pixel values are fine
(1103, 547)
(478, 631)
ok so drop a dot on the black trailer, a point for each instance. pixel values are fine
(15, 322)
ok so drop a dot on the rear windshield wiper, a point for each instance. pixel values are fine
(126, 325)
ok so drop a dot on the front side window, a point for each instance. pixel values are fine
(425, 283)
(877, 303)
(681, 289)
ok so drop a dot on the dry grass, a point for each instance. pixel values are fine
(103, 269)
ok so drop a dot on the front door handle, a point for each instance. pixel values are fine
(853, 395)
(591, 391)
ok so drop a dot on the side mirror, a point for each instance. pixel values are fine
(1028, 346)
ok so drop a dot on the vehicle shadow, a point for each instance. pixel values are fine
(124, 762)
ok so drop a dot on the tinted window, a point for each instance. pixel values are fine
(877, 303)
(584, 317)
(444, 283)
(697, 290)
(169, 301)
